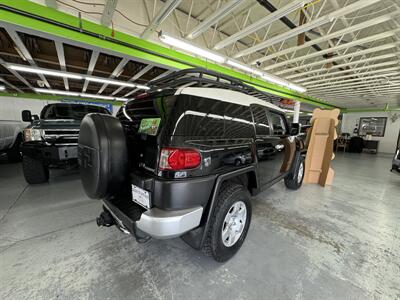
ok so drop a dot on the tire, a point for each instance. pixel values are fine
(229, 195)
(295, 178)
(102, 156)
(35, 171)
(14, 153)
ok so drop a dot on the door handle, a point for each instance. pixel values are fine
(279, 147)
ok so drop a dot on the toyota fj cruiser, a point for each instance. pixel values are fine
(52, 139)
(184, 159)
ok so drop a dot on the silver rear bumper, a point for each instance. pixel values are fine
(163, 224)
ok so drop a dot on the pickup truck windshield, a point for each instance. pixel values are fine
(70, 111)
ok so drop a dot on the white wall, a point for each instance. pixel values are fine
(387, 144)
(11, 107)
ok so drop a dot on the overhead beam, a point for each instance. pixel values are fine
(92, 64)
(157, 77)
(326, 85)
(11, 85)
(331, 75)
(261, 23)
(213, 18)
(117, 71)
(341, 66)
(24, 52)
(17, 75)
(308, 26)
(162, 14)
(108, 12)
(135, 77)
(347, 85)
(349, 55)
(365, 40)
(328, 37)
(61, 60)
(367, 72)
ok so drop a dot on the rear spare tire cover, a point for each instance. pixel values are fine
(102, 155)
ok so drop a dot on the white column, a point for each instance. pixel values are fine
(296, 112)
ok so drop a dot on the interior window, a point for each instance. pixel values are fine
(278, 123)
(260, 120)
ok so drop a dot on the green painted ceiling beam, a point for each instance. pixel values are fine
(56, 23)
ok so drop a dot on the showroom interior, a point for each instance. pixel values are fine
(135, 164)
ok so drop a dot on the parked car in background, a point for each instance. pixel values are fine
(11, 138)
(51, 140)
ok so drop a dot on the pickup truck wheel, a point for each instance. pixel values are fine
(295, 179)
(229, 223)
(35, 171)
(14, 153)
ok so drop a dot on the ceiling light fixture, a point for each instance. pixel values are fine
(284, 83)
(116, 82)
(75, 94)
(245, 68)
(178, 43)
(37, 70)
(44, 71)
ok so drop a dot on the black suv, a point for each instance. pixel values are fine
(185, 158)
(52, 139)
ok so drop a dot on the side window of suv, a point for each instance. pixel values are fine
(260, 120)
(278, 123)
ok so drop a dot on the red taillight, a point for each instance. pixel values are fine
(179, 159)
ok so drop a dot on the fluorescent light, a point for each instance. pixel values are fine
(94, 96)
(274, 79)
(174, 42)
(44, 71)
(297, 88)
(116, 82)
(2, 87)
(75, 94)
(244, 67)
(284, 83)
(110, 81)
(213, 18)
(57, 92)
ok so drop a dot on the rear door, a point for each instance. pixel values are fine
(265, 149)
(278, 140)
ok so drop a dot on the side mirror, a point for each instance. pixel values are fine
(26, 116)
(295, 129)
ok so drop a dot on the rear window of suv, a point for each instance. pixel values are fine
(186, 115)
(196, 116)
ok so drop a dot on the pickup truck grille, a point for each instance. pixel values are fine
(61, 136)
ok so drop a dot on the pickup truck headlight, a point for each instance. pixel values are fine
(32, 134)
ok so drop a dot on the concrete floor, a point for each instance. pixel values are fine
(339, 242)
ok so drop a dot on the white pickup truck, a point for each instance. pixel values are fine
(11, 138)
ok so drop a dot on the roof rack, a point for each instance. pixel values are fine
(199, 77)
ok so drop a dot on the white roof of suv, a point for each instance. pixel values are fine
(226, 96)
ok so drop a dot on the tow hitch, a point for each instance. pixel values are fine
(106, 219)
